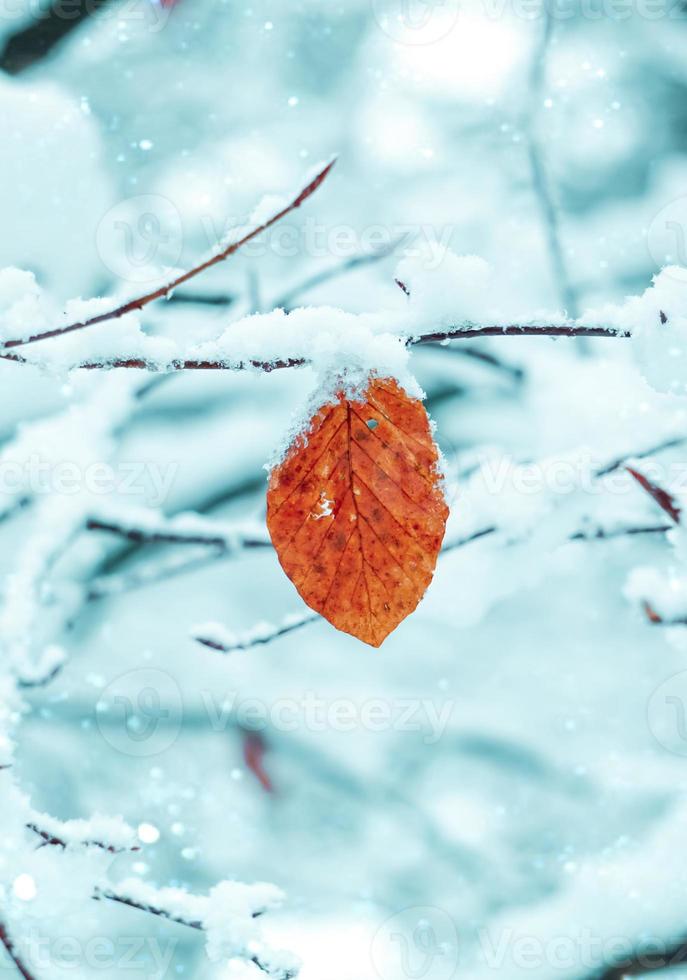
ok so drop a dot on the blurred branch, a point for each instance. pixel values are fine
(12, 953)
(644, 963)
(107, 586)
(228, 538)
(540, 179)
(28, 683)
(665, 500)
(334, 272)
(34, 41)
(621, 532)
(656, 619)
(163, 291)
(516, 373)
(224, 540)
(202, 299)
(672, 443)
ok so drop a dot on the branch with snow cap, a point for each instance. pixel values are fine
(224, 355)
(227, 916)
(261, 224)
(109, 834)
(445, 303)
(218, 637)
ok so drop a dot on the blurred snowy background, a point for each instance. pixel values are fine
(501, 787)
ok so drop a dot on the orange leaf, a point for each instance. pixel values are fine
(356, 512)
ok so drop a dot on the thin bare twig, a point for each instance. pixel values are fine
(100, 894)
(163, 291)
(13, 954)
(334, 272)
(254, 638)
(672, 443)
(621, 532)
(52, 840)
(142, 535)
(540, 178)
(513, 371)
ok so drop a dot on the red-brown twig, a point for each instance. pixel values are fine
(13, 954)
(663, 498)
(162, 291)
(254, 750)
(515, 330)
(140, 364)
(656, 619)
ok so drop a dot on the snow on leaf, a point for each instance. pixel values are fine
(366, 565)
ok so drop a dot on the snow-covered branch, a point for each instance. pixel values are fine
(467, 331)
(218, 637)
(260, 225)
(227, 916)
(104, 833)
